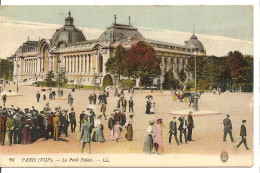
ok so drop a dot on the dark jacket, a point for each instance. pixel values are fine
(173, 127)
(243, 130)
(111, 123)
(131, 103)
(182, 123)
(72, 117)
(190, 122)
(227, 125)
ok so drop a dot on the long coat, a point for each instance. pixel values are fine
(183, 123)
(227, 125)
(243, 130)
(86, 131)
(3, 123)
(173, 127)
(190, 122)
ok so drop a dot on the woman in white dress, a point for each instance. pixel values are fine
(152, 104)
(98, 135)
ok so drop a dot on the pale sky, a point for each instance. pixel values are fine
(219, 28)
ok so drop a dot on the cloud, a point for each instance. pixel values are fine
(14, 33)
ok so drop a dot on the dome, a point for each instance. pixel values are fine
(68, 34)
(120, 32)
(28, 46)
(194, 43)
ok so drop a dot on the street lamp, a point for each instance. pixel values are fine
(17, 77)
(59, 61)
(94, 79)
(195, 104)
(161, 78)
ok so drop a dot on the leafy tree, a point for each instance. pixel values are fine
(128, 83)
(114, 63)
(182, 76)
(238, 66)
(6, 69)
(49, 79)
(62, 78)
(107, 81)
(168, 79)
(141, 61)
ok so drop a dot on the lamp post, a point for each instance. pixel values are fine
(195, 104)
(161, 78)
(59, 61)
(94, 79)
(17, 68)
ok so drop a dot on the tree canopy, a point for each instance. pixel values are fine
(141, 61)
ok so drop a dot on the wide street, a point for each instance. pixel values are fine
(207, 134)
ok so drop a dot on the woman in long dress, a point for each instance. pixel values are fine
(148, 143)
(117, 129)
(152, 104)
(148, 106)
(98, 135)
(129, 128)
(118, 102)
(158, 137)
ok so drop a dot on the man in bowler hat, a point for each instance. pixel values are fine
(173, 130)
(227, 128)
(243, 135)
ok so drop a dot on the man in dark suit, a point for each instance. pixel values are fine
(173, 130)
(131, 105)
(227, 128)
(72, 117)
(243, 135)
(190, 126)
(111, 124)
(86, 129)
(183, 128)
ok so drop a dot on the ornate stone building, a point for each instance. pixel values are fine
(84, 60)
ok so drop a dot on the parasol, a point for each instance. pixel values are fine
(43, 89)
(148, 96)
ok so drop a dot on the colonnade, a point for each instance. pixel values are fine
(83, 64)
(30, 66)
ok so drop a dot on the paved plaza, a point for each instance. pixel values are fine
(207, 134)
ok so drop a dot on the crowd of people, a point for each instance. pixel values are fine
(25, 126)
(154, 133)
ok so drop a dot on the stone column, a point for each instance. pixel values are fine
(68, 64)
(80, 64)
(97, 64)
(84, 64)
(30, 66)
(24, 66)
(73, 64)
(27, 65)
(76, 64)
(91, 63)
(87, 60)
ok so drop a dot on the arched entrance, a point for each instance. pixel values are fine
(107, 80)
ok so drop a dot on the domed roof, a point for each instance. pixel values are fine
(120, 32)
(194, 43)
(28, 46)
(68, 34)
